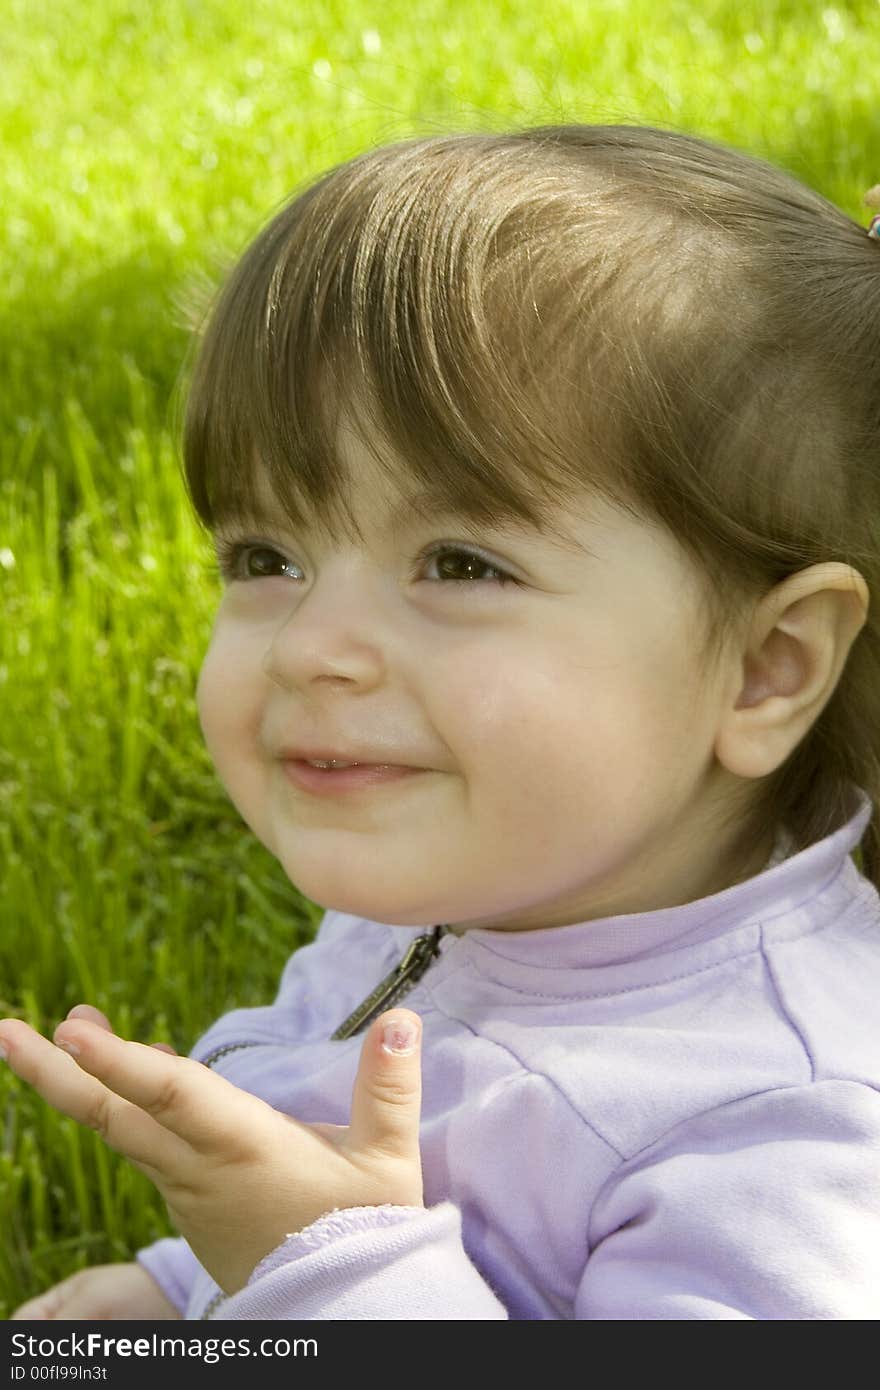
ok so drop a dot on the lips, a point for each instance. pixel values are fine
(372, 758)
(346, 780)
(334, 763)
(325, 765)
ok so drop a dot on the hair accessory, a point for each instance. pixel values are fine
(872, 200)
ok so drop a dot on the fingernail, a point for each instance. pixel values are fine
(399, 1036)
(67, 1046)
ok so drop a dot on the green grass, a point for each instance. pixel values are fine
(143, 146)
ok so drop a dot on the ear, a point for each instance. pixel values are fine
(797, 646)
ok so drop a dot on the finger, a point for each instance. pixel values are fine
(386, 1101)
(186, 1098)
(45, 1306)
(91, 1015)
(48, 1304)
(56, 1077)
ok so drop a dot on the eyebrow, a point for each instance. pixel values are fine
(429, 506)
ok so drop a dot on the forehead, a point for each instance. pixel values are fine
(365, 480)
(396, 509)
(388, 500)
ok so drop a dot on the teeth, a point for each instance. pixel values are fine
(317, 762)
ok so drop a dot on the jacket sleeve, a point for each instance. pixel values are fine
(383, 1263)
(174, 1268)
(767, 1208)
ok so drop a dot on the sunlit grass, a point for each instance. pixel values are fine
(142, 148)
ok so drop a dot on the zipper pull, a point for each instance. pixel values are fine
(406, 972)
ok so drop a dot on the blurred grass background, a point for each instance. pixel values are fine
(142, 148)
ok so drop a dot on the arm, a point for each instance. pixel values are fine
(768, 1208)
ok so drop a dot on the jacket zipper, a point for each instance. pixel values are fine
(212, 1057)
(398, 982)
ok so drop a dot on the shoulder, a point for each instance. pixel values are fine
(824, 981)
(767, 1207)
(639, 1053)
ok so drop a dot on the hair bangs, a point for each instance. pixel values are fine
(385, 294)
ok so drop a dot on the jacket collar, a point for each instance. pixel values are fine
(802, 881)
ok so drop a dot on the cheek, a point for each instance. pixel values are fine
(554, 726)
(519, 717)
(225, 707)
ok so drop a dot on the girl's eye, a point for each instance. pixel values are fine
(230, 553)
(462, 571)
(466, 561)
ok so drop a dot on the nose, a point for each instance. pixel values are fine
(334, 633)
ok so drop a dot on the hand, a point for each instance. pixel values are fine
(237, 1175)
(120, 1291)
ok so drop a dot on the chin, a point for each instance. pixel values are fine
(379, 911)
(335, 897)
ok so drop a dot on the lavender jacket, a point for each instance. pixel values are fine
(669, 1114)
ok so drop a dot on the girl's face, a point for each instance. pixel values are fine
(565, 734)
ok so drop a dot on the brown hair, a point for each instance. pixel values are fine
(685, 329)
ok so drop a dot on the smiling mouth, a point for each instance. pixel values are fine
(336, 763)
(334, 780)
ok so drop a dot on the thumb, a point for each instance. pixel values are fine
(387, 1099)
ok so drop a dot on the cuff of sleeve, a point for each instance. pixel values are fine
(341, 1221)
(173, 1266)
(381, 1263)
